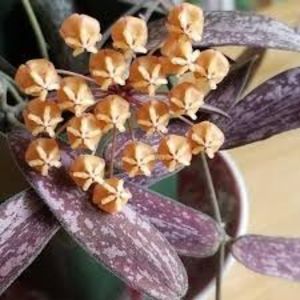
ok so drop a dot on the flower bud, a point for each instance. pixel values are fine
(138, 159)
(111, 196)
(75, 95)
(36, 77)
(87, 170)
(81, 33)
(42, 154)
(84, 132)
(205, 137)
(174, 151)
(42, 117)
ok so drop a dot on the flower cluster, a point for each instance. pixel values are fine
(116, 71)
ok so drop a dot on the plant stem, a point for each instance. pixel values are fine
(36, 28)
(218, 217)
(151, 9)
(113, 150)
(70, 73)
(130, 130)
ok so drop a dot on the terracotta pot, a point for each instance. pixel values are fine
(63, 271)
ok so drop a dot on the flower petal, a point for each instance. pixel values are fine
(125, 243)
(26, 226)
(236, 28)
(273, 256)
(272, 108)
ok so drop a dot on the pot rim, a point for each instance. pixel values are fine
(243, 222)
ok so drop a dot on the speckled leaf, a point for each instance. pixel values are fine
(125, 243)
(191, 232)
(272, 108)
(237, 28)
(26, 226)
(274, 256)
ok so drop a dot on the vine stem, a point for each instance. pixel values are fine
(113, 150)
(36, 28)
(218, 217)
(70, 73)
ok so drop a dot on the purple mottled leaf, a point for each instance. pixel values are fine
(26, 226)
(237, 28)
(191, 232)
(272, 108)
(124, 243)
(273, 256)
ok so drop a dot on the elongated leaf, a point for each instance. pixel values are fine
(237, 28)
(191, 232)
(274, 256)
(125, 243)
(26, 226)
(272, 108)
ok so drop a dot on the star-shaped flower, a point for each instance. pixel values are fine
(138, 159)
(213, 66)
(42, 154)
(146, 74)
(84, 132)
(185, 99)
(111, 196)
(174, 151)
(153, 116)
(108, 67)
(179, 51)
(42, 117)
(81, 33)
(113, 111)
(75, 95)
(86, 170)
(37, 77)
(186, 19)
(130, 34)
(207, 137)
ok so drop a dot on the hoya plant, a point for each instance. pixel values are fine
(155, 95)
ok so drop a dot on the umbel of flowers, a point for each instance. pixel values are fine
(117, 72)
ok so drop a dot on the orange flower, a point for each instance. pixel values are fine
(213, 67)
(84, 132)
(108, 67)
(185, 99)
(81, 33)
(87, 170)
(42, 117)
(153, 116)
(130, 34)
(113, 111)
(36, 77)
(75, 95)
(42, 154)
(205, 137)
(111, 196)
(146, 74)
(138, 159)
(180, 52)
(174, 151)
(186, 19)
